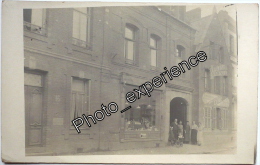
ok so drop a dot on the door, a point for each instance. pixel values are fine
(178, 110)
(33, 110)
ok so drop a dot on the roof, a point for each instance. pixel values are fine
(201, 26)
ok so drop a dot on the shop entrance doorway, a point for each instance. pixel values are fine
(178, 110)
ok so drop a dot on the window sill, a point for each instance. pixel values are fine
(28, 27)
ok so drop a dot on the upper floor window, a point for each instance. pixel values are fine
(217, 84)
(130, 43)
(154, 50)
(212, 50)
(80, 98)
(180, 51)
(225, 85)
(207, 82)
(35, 20)
(81, 26)
(221, 55)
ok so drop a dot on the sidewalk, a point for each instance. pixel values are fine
(186, 149)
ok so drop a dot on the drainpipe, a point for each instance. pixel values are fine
(101, 71)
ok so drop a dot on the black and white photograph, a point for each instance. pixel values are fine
(79, 58)
(130, 80)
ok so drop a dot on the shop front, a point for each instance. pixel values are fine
(142, 121)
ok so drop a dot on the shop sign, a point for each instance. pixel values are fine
(219, 70)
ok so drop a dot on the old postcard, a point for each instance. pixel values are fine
(129, 82)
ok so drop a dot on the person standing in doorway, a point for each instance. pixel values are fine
(194, 130)
(187, 133)
(175, 129)
(180, 128)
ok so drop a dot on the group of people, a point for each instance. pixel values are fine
(186, 134)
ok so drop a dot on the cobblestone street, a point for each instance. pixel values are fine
(185, 149)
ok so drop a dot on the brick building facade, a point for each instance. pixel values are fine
(77, 59)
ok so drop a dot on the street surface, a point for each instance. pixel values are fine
(185, 149)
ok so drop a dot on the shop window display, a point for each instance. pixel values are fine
(144, 114)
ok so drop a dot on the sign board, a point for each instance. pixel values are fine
(219, 70)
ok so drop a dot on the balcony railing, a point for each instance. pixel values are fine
(34, 28)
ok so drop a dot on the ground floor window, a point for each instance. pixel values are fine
(215, 118)
(79, 98)
(207, 117)
(144, 114)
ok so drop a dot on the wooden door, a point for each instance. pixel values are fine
(33, 113)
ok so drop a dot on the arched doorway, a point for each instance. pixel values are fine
(178, 110)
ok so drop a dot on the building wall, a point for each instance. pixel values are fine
(102, 63)
(223, 101)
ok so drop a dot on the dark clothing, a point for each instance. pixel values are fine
(194, 136)
(187, 134)
(171, 136)
(175, 130)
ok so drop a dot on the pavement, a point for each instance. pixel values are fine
(185, 149)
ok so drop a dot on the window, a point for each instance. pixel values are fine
(80, 98)
(214, 118)
(231, 38)
(224, 118)
(221, 55)
(130, 45)
(212, 51)
(144, 114)
(207, 117)
(217, 84)
(35, 20)
(154, 50)
(81, 27)
(207, 82)
(180, 51)
(219, 118)
(225, 85)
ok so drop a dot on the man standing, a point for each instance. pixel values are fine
(175, 129)
(187, 133)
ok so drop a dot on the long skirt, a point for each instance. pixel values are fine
(200, 138)
(171, 136)
(193, 136)
(187, 136)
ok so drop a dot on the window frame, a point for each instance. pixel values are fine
(87, 88)
(78, 41)
(207, 82)
(217, 85)
(37, 29)
(208, 118)
(154, 48)
(133, 29)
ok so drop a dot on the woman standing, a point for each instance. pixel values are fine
(194, 129)
(187, 133)
(171, 136)
(180, 128)
(200, 134)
